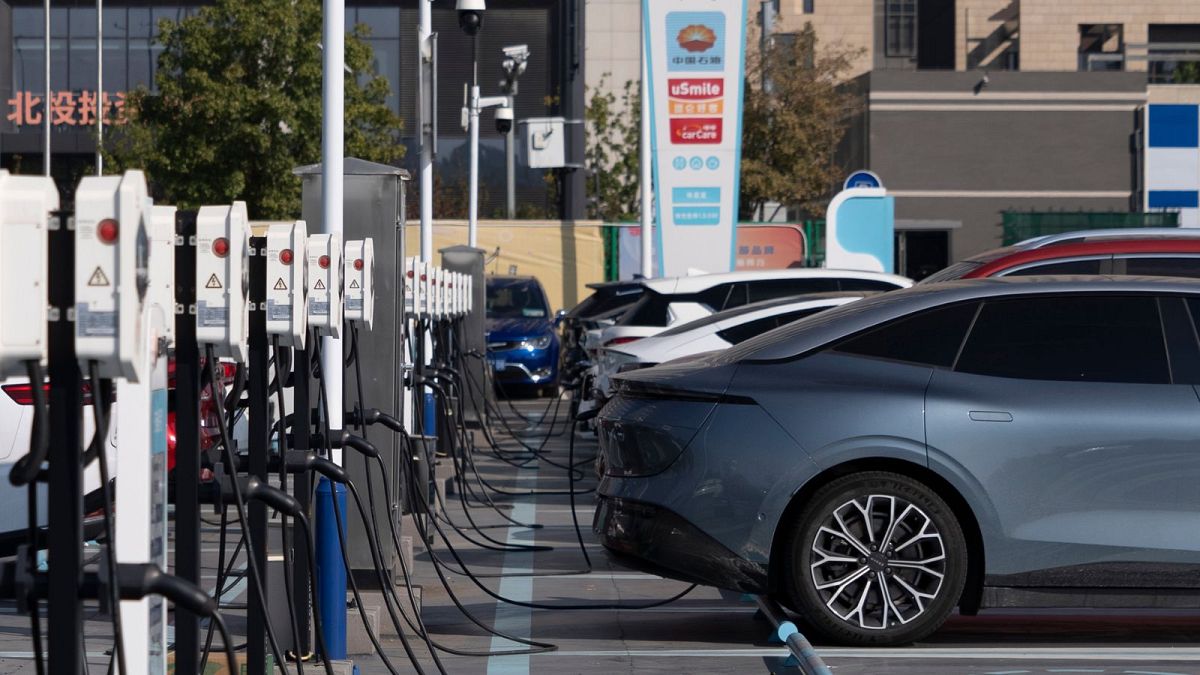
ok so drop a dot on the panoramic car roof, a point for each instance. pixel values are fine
(833, 324)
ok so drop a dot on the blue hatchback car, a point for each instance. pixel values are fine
(522, 344)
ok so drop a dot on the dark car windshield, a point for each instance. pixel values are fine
(516, 299)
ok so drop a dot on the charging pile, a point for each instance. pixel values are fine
(200, 329)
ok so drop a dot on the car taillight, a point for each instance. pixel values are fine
(170, 440)
(22, 393)
(622, 340)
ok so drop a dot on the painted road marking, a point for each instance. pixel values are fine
(1151, 654)
(512, 619)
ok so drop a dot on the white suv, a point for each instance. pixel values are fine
(673, 301)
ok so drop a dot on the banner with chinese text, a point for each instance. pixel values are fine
(695, 51)
(67, 108)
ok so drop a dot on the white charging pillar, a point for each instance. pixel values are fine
(141, 491)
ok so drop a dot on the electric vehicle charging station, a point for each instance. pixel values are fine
(359, 263)
(25, 206)
(325, 284)
(287, 283)
(222, 284)
(112, 250)
(141, 492)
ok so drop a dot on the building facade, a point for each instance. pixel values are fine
(131, 48)
(973, 108)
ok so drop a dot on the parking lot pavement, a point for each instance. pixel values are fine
(706, 631)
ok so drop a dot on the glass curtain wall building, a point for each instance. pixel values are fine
(131, 50)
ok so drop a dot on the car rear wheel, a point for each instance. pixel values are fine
(875, 558)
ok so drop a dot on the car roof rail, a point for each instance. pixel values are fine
(1114, 233)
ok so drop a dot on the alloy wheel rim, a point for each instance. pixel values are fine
(878, 562)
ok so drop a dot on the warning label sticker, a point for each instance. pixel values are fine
(93, 323)
(354, 283)
(279, 285)
(213, 282)
(279, 311)
(354, 304)
(211, 317)
(318, 308)
(98, 278)
(319, 286)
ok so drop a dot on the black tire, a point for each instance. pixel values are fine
(853, 611)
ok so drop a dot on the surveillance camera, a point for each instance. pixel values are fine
(504, 119)
(470, 15)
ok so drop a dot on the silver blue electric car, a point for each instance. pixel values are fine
(986, 443)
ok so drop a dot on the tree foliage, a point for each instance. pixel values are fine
(612, 153)
(238, 106)
(795, 112)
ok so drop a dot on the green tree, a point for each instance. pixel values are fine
(795, 112)
(238, 105)
(611, 154)
(1186, 73)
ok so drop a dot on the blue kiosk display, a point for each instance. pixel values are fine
(860, 226)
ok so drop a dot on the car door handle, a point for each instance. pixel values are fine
(990, 416)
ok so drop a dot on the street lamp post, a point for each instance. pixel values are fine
(515, 60)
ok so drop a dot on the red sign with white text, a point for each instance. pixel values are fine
(696, 88)
(696, 131)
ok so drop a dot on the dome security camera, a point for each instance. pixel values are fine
(504, 119)
(470, 15)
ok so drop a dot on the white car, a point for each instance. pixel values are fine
(723, 329)
(670, 302)
(673, 301)
(16, 427)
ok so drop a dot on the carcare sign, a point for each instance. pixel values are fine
(695, 50)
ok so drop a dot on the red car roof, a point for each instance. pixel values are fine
(1088, 248)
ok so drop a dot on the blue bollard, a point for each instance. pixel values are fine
(429, 421)
(331, 570)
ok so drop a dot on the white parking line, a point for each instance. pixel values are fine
(1123, 654)
(512, 619)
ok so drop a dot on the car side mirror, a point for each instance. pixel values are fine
(559, 316)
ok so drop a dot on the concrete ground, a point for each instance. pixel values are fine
(706, 631)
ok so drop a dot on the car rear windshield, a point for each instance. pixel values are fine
(605, 301)
(516, 299)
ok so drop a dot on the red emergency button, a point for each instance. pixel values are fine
(358, 264)
(285, 256)
(220, 247)
(323, 261)
(107, 230)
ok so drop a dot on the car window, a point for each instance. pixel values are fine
(866, 285)
(1089, 267)
(724, 296)
(1183, 346)
(1100, 338)
(1181, 266)
(516, 298)
(742, 332)
(930, 338)
(649, 310)
(767, 289)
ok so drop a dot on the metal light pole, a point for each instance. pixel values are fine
(515, 61)
(46, 101)
(99, 87)
(473, 208)
(427, 107)
(332, 153)
(475, 105)
(647, 174)
(510, 169)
